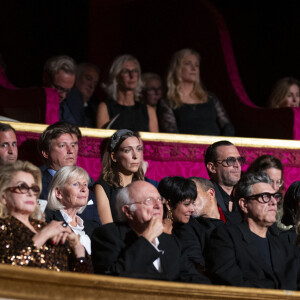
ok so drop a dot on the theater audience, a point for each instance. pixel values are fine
(188, 107)
(60, 73)
(25, 241)
(121, 164)
(68, 196)
(58, 146)
(123, 109)
(8, 144)
(136, 246)
(223, 163)
(152, 89)
(251, 254)
(179, 194)
(285, 93)
(87, 79)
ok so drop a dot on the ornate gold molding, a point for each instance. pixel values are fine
(173, 138)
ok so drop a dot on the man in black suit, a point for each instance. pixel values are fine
(58, 145)
(251, 253)
(137, 247)
(223, 163)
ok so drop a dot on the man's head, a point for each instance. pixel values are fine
(206, 203)
(58, 145)
(138, 202)
(223, 163)
(59, 73)
(8, 144)
(257, 199)
(87, 79)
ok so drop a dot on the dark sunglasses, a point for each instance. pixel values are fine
(23, 188)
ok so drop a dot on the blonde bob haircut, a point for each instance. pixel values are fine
(174, 79)
(280, 91)
(61, 177)
(115, 72)
(7, 173)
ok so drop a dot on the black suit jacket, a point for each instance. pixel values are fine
(89, 226)
(117, 250)
(232, 258)
(91, 211)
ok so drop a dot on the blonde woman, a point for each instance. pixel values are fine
(188, 107)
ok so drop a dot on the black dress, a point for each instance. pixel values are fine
(133, 117)
(207, 118)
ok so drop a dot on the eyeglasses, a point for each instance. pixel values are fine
(230, 161)
(61, 89)
(277, 183)
(130, 73)
(150, 201)
(23, 188)
(265, 197)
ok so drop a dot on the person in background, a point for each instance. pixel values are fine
(8, 144)
(189, 108)
(121, 164)
(60, 74)
(285, 93)
(123, 109)
(152, 89)
(26, 241)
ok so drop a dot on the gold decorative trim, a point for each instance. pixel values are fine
(30, 283)
(173, 138)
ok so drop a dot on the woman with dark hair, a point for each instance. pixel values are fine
(121, 164)
(124, 109)
(180, 194)
(189, 108)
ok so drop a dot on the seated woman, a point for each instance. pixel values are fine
(285, 93)
(180, 194)
(26, 241)
(152, 89)
(188, 107)
(68, 196)
(121, 164)
(123, 109)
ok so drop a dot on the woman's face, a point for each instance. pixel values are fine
(190, 69)
(18, 199)
(74, 194)
(292, 98)
(276, 178)
(129, 76)
(129, 156)
(183, 211)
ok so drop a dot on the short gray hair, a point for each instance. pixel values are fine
(56, 63)
(62, 176)
(204, 183)
(83, 66)
(123, 198)
(115, 70)
(244, 186)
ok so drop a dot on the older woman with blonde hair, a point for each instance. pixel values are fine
(26, 241)
(67, 199)
(189, 108)
(285, 93)
(123, 109)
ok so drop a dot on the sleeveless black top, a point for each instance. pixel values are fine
(130, 117)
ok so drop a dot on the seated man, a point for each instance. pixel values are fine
(8, 144)
(138, 247)
(58, 146)
(251, 253)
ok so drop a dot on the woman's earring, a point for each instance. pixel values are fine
(169, 215)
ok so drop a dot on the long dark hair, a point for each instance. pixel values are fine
(291, 204)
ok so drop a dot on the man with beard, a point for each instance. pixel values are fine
(223, 163)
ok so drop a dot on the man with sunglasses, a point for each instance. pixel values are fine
(137, 246)
(251, 253)
(223, 163)
(60, 73)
